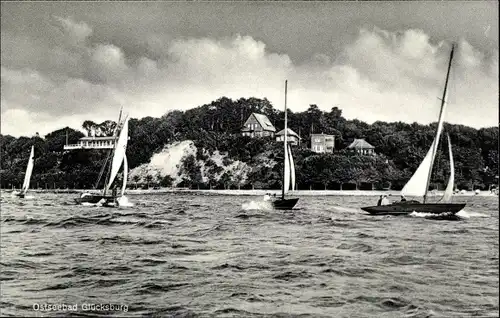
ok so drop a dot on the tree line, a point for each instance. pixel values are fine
(399, 147)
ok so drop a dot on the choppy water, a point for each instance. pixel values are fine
(206, 256)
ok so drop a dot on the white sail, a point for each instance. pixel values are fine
(417, 183)
(286, 170)
(286, 179)
(29, 170)
(119, 153)
(448, 193)
(125, 174)
(292, 169)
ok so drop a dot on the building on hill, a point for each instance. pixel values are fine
(292, 137)
(361, 147)
(322, 143)
(258, 125)
(93, 143)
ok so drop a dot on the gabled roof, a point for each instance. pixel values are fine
(264, 122)
(99, 138)
(360, 144)
(290, 133)
(322, 134)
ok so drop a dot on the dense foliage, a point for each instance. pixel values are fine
(400, 147)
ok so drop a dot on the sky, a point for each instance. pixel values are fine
(66, 62)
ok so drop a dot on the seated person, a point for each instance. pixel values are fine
(379, 202)
(385, 201)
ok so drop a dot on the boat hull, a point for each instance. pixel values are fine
(284, 204)
(94, 199)
(407, 208)
(21, 195)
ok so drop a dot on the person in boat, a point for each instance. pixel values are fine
(114, 193)
(379, 202)
(267, 197)
(385, 200)
(403, 199)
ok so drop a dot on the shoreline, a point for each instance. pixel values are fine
(392, 193)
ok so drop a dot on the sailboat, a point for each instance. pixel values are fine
(418, 185)
(288, 171)
(27, 176)
(119, 157)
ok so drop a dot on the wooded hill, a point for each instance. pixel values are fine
(400, 147)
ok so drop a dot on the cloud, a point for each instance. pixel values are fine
(380, 75)
(75, 33)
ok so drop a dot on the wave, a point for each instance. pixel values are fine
(151, 288)
(344, 209)
(434, 216)
(468, 214)
(257, 205)
(124, 202)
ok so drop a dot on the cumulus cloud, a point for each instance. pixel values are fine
(75, 33)
(380, 75)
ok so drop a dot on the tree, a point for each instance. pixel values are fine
(136, 179)
(149, 178)
(167, 181)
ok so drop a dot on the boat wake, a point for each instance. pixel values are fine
(343, 209)
(14, 194)
(124, 202)
(468, 214)
(89, 204)
(257, 205)
(464, 214)
(437, 216)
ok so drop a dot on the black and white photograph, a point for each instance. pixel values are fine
(249, 159)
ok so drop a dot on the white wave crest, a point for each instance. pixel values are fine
(468, 214)
(124, 202)
(422, 214)
(257, 205)
(88, 204)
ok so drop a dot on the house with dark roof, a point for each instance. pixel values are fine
(258, 125)
(322, 143)
(292, 137)
(361, 147)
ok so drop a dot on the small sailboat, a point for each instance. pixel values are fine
(119, 157)
(418, 184)
(27, 176)
(288, 171)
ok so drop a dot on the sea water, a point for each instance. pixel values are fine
(233, 256)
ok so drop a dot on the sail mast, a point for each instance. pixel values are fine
(285, 148)
(436, 140)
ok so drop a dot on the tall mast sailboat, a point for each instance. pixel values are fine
(108, 196)
(27, 176)
(418, 185)
(288, 170)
